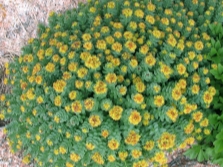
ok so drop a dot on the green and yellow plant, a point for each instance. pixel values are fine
(211, 147)
(113, 83)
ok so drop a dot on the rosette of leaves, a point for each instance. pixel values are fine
(112, 83)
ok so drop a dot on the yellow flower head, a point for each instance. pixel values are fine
(113, 144)
(172, 113)
(127, 12)
(116, 113)
(132, 138)
(138, 98)
(159, 100)
(111, 78)
(104, 133)
(198, 45)
(123, 155)
(94, 121)
(149, 145)
(76, 106)
(100, 87)
(135, 117)
(59, 86)
(75, 157)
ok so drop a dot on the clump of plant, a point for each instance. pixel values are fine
(113, 83)
(211, 147)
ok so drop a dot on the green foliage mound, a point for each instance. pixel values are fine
(112, 83)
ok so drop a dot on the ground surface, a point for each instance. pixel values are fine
(18, 22)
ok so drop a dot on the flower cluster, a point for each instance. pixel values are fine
(113, 82)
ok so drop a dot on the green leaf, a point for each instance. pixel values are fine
(218, 146)
(220, 52)
(193, 152)
(219, 162)
(215, 73)
(201, 156)
(212, 52)
(220, 135)
(217, 45)
(220, 68)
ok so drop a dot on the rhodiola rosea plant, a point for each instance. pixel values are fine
(112, 83)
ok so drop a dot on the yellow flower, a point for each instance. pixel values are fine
(181, 69)
(159, 101)
(86, 37)
(66, 75)
(133, 25)
(36, 68)
(111, 158)
(171, 40)
(136, 153)
(116, 113)
(63, 61)
(104, 133)
(75, 157)
(56, 58)
(117, 47)
(197, 116)
(150, 19)
(58, 101)
(50, 67)
(195, 89)
(76, 106)
(189, 128)
(63, 49)
(139, 13)
(144, 49)
(176, 93)
(166, 70)
(132, 138)
(101, 44)
(72, 95)
(89, 104)
(172, 113)
(133, 63)
(117, 34)
(96, 157)
(207, 131)
(82, 72)
(166, 141)
(135, 117)
(30, 94)
(113, 144)
(88, 45)
(156, 33)
(165, 21)
(68, 164)
(151, 7)
(79, 84)
(62, 150)
(131, 46)
(160, 158)
(127, 12)
(149, 145)
(138, 98)
(207, 97)
(111, 78)
(150, 60)
(100, 87)
(111, 5)
(94, 121)
(92, 62)
(198, 45)
(38, 79)
(123, 155)
(59, 86)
